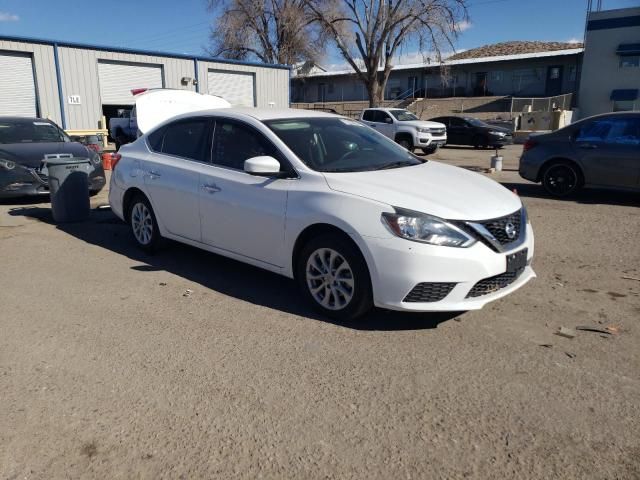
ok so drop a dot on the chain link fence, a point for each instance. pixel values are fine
(546, 104)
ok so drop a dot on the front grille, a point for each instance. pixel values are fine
(438, 131)
(493, 284)
(429, 292)
(497, 227)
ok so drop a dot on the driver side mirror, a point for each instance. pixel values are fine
(388, 120)
(263, 166)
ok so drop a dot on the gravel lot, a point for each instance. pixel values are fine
(108, 370)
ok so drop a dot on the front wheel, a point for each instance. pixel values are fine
(429, 150)
(144, 226)
(405, 143)
(561, 179)
(334, 277)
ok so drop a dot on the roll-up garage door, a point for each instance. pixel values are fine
(17, 86)
(235, 87)
(118, 79)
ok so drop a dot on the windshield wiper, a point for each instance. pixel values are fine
(403, 163)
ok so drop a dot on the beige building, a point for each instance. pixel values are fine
(610, 79)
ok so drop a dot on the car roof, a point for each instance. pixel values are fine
(266, 113)
(14, 118)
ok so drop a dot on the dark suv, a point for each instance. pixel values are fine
(600, 151)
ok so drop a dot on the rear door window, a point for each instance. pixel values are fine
(368, 115)
(184, 138)
(380, 116)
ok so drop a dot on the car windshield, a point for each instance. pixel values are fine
(30, 131)
(477, 123)
(403, 115)
(340, 145)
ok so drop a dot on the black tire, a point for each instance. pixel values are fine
(429, 150)
(405, 142)
(136, 208)
(562, 178)
(336, 281)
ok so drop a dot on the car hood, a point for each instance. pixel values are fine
(32, 154)
(434, 188)
(495, 128)
(423, 124)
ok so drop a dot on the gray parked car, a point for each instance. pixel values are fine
(24, 142)
(599, 151)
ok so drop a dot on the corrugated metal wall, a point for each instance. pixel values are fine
(79, 69)
(79, 77)
(46, 83)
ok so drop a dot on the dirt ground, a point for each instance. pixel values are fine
(109, 368)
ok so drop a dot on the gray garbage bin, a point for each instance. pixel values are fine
(69, 187)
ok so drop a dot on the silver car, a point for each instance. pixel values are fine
(599, 151)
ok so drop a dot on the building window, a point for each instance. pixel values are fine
(331, 87)
(554, 73)
(496, 76)
(630, 61)
(573, 74)
(624, 105)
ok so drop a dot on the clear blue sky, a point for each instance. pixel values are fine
(182, 25)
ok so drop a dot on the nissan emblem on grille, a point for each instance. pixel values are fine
(510, 230)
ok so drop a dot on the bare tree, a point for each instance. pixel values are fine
(369, 33)
(272, 31)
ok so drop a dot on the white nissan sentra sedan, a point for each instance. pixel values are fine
(356, 219)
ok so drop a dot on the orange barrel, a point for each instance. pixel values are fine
(106, 161)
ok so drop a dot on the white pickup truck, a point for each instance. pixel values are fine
(406, 129)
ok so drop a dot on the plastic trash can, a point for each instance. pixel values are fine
(69, 187)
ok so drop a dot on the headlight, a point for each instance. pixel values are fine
(424, 228)
(95, 158)
(424, 130)
(7, 164)
(497, 134)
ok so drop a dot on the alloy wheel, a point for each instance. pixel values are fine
(561, 179)
(330, 279)
(142, 223)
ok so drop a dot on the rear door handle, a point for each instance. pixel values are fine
(211, 188)
(587, 146)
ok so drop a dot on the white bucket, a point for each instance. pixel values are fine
(496, 162)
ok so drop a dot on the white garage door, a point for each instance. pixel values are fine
(118, 79)
(235, 87)
(17, 87)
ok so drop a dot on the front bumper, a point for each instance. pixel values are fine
(20, 182)
(427, 140)
(397, 265)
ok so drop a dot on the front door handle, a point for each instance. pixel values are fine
(154, 173)
(587, 146)
(211, 188)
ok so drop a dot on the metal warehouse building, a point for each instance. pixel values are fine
(75, 84)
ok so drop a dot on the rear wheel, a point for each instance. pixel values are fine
(334, 278)
(561, 179)
(144, 226)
